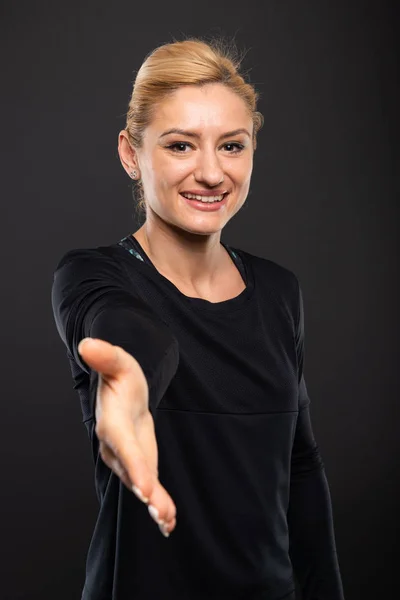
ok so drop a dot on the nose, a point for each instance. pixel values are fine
(208, 168)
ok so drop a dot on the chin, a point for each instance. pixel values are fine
(182, 228)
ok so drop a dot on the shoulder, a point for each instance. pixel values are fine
(274, 283)
(100, 264)
(270, 272)
(96, 254)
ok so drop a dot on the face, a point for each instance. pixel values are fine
(206, 156)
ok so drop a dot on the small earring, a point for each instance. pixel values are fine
(133, 174)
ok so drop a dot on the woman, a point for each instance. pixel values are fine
(193, 390)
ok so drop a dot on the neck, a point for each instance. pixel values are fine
(194, 260)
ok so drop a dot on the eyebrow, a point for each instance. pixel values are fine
(196, 135)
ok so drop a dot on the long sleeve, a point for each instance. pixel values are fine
(92, 297)
(311, 532)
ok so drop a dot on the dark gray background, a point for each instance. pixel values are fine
(323, 202)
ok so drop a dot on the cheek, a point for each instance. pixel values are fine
(239, 168)
(173, 174)
(246, 177)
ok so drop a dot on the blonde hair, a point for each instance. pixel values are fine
(192, 61)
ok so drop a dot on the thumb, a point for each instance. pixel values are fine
(104, 357)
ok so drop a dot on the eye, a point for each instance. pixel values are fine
(174, 146)
(177, 147)
(239, 147)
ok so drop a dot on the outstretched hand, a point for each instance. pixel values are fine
(125, 426)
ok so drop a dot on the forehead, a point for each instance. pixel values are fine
(212, 105)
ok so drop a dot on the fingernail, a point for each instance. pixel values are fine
(139, 494)
(154, 514)
(163, 531)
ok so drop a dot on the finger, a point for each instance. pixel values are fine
(165, 512)
(118, 441)
(123, 475)
(162, 509)
(126, 449)
(114, 464)
(170, 526)
(154, 494)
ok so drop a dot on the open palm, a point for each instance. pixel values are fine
(125, 426)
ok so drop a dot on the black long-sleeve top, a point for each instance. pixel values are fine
(232, 418)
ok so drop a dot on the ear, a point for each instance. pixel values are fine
(127, 153)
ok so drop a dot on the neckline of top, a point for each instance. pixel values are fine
(200, 303)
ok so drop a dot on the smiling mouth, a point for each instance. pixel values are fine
(205, 199)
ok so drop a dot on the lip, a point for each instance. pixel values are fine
(206, 207)
(204, 192)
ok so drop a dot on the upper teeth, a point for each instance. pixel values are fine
(203, 198)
